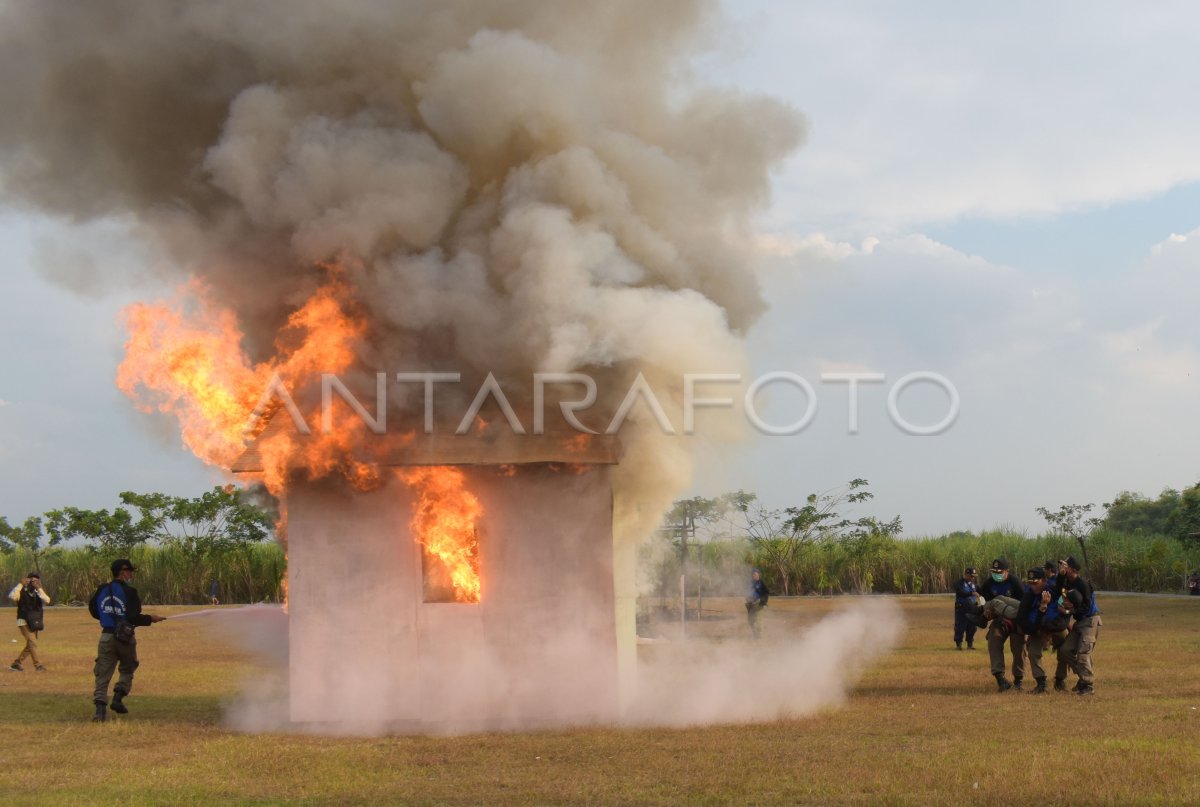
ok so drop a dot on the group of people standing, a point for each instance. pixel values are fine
(1053, 608)
(118, 608)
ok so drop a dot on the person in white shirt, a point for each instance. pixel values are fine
(30, 598)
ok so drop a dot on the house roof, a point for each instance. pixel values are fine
(487, 444)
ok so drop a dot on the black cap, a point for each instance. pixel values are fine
(121, 564)
(1051, 566)
(1000, 565)
(1033, 575)
(969, 570)
(1074, 564)
(34, 574)
(1075, 598)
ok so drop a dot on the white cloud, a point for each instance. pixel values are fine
(935, 112)
(1071, 390)
(1170, 241)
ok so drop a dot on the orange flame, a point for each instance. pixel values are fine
(579, 443)
(444, 523)
(187, 360)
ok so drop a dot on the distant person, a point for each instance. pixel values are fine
(1194, 584)
(756, 600)
(1076, 651)
(119, 608)
(213, 590)
(30, 598)
(965, 596)
(1001, 584)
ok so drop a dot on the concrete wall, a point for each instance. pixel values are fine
(540, 649)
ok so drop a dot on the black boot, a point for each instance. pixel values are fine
(1086, 689)
(1002, 683)
(970, 645)
(117, 705)
(1040, 689)
(101, 712)
(1060, 684)
(958, 645)
(1018, 684)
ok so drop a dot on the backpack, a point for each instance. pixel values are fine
(108, 605)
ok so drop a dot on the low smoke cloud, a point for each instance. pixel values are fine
(742, 681)
(688, 683)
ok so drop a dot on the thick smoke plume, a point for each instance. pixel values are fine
(508, 186)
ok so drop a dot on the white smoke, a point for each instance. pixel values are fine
(687, 683)
(780, 677)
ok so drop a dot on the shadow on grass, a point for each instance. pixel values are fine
(38, 708)
(987, 686)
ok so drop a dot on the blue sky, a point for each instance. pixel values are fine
(1006, 195)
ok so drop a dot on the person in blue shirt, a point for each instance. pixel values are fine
(1076, 650)
(965, 595)
(1051, 569)
(118, 607)
(756, 600)
(1041, 623)
(1001, 584)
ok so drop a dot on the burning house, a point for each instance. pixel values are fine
(472, 586)
(504, 188)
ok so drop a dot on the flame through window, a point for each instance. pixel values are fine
(444, 522)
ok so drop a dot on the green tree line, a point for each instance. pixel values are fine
(1134, 544)
(180, 545)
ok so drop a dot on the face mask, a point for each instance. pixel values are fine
(998, 577)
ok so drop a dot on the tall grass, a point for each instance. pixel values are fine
(1116, 562)
(166, 575)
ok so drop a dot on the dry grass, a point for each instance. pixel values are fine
(923, 727)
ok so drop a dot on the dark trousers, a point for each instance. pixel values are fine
(962, 628)
(754, 617)
(113, 656)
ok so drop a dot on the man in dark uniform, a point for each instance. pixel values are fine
(1076, 651)
(1037, 619)
(965, 594)
(756, 600)
(1001, 584)
(119, 608)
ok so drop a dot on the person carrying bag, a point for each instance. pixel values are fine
(30, 600)
(118, 607)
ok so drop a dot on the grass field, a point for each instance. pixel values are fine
(923, 726)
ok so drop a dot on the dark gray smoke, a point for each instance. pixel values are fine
(510, 186)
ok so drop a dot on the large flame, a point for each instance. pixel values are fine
(444, 523)
(186, 358)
